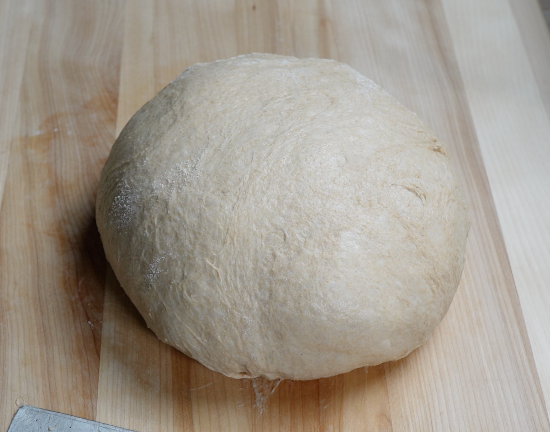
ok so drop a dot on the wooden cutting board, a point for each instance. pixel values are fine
(72, 74)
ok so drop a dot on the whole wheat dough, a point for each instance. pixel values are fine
(282, 217)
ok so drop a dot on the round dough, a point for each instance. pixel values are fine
(282, 217)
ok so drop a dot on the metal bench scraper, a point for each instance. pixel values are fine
(31, 419)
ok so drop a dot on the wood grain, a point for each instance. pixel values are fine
(51, 263)
(74, 72)
(513, 129)
(535, 35)
(15, 19)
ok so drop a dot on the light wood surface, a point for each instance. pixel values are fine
(74, 71)
(15, 19)
(513, 130)
(52, 271)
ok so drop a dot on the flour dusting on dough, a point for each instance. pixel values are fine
(124, 207)
(154, 270)
(177, 178)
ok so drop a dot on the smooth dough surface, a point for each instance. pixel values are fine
(282, 217)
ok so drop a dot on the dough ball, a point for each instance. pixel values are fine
(282, 217)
